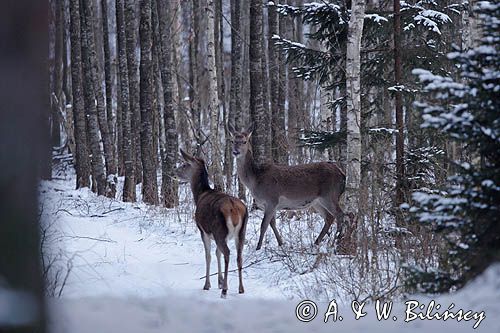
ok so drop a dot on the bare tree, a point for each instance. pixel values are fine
(148, 155)
(133, 80)
(92, 93)
(257, 111)
(280, 128)
(213, 99)
(353, 89)
(108, 78)
(82, 154)
(169, 185)
(399, 112)
(128, 137)
(278, 137)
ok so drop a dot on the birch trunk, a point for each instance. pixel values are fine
(353, 94)
(213, 99)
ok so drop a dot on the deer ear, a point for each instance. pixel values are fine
(186, 156)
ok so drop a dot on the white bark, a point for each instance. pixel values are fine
(213, 98)
(353, 90)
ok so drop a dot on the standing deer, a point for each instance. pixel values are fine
(276, 187)
(218, 216)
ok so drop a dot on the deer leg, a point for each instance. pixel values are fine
(219, 271)
(239, 259)
(221, 244)
(337, 213)
(276, 232)
(208, 258)
(328, 222)
(268, 216)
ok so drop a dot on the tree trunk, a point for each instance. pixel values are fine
(278, 137)
(108, 145)
(169, 185)
(399, 115)
(257, 113)
(353, 90)
(133, 78)
(108, 78)
(93, 94)
(128, 137)
(148, 155)
(82, 153)
(234, 117)
(57, 93)
(265, 89)
(194, 98)
(282, 150)
(213, 100)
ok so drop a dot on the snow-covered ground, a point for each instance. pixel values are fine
(137, 268)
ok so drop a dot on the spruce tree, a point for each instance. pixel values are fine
(465, 110)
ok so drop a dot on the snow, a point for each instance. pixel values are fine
(176, 313)
(138, 268)
(376, 18)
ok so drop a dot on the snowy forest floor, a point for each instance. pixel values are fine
(130, 267)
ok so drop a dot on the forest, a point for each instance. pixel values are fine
(400, 96)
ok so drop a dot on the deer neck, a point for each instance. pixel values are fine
(247, 169)
(199, 184)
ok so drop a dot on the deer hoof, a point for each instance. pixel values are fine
(242, 290)
(223, 294)
(206, 286)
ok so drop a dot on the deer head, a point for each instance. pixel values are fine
(191, 167)
(241, 140)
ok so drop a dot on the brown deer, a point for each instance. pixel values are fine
(276, 187)
(218, 216)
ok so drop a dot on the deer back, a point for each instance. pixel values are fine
(219, 213)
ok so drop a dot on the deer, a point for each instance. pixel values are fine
(279, 187)
(218, 216)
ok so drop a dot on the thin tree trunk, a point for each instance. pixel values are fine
(353, 89)
(110, 115)
(213, 99)
(82, 152)
(128, 137)
(265, 89)
(169, 185)
(194, 97)
(58, 104)
(278, 137)
(257, 113)
(282, 142)
(148, 155)
(108, 145)
(236, 73)
(399, 114)
(90, 81)
(133, 80)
